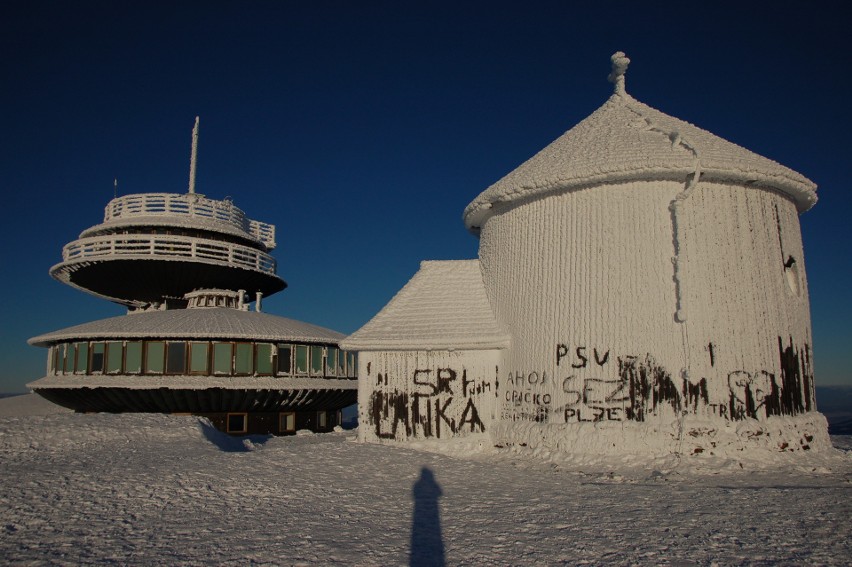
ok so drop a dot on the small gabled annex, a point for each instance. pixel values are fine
(430, 357)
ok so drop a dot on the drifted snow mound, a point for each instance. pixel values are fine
(67, 432)
(800, 442)
(28, 404)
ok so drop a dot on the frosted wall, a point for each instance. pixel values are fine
(426, 394)
(585, 282)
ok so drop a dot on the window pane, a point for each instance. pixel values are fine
(198, 357)
(98, 350)
(236, 423)
(242, 360)
(221, 358)
(316, 360)
(341, 363)
(154, 359)
(288, 422)
(322, 419)
(331, 361)
(284, 360)
(113, 357)
(352, 364)
(176, 362)
(263, 358)
(301, 359)
(82, 357)
(133, 359)
(68, 357)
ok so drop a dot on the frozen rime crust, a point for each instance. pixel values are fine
(444, 306)
(750, 444)
(211, 323)
(626, 140)
(650, 280)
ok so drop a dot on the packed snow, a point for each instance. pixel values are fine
(141, 489)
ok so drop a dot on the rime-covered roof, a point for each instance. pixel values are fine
(628, 140)
(443, 306)
(208, 323)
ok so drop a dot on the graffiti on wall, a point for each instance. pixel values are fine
(598, 386)
(439, 402)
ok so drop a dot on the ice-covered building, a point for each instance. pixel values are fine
(188, 268)
(640, 288)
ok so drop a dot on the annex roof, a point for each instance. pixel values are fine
(628, 140)
(206, 323)
(444, 306)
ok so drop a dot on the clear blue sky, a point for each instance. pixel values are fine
(363, 129)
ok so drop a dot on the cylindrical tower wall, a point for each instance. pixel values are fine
(588, 282)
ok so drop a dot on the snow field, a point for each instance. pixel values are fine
(154, 489)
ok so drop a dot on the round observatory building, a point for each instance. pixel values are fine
(649, 282)
(188, 268)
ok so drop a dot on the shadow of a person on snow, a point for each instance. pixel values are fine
(427, 545)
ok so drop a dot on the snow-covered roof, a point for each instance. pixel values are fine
(444, 306)
(628, 140)
(210, 323)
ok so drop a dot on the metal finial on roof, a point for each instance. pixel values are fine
(619, 68)
(193, 157)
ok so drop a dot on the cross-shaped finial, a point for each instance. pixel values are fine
(619, 68)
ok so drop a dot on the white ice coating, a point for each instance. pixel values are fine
(193, 160)
(650, 278)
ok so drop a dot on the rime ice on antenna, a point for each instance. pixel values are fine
(193, 159)
(619, 68)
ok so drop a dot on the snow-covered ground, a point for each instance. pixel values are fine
(154, 489)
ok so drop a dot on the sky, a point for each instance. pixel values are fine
(363, 129)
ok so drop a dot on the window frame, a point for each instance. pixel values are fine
(311, 359)
(81, 358)
(108, 354)
(258, 354)
(307, 351)
(230, 347)
(288, 348)
(190, 358)
(126, 354)
(282, 423)
(146, 368)
(228, 416)
(92, 348)
(168, 368)
(250, 359)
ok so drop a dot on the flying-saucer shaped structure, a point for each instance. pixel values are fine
(188, 267)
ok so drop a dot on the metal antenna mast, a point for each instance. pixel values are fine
(194, 157)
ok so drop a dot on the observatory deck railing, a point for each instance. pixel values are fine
(189, 204)
(167, 247)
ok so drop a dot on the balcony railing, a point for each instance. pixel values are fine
(168, 247)
(190, 204)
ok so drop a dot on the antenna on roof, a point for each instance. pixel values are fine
(619, 68)
(194, 157)
(115, 187)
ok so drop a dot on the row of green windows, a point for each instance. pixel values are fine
(201, 357)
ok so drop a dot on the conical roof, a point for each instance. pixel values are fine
(628, 140)
(197, 324)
